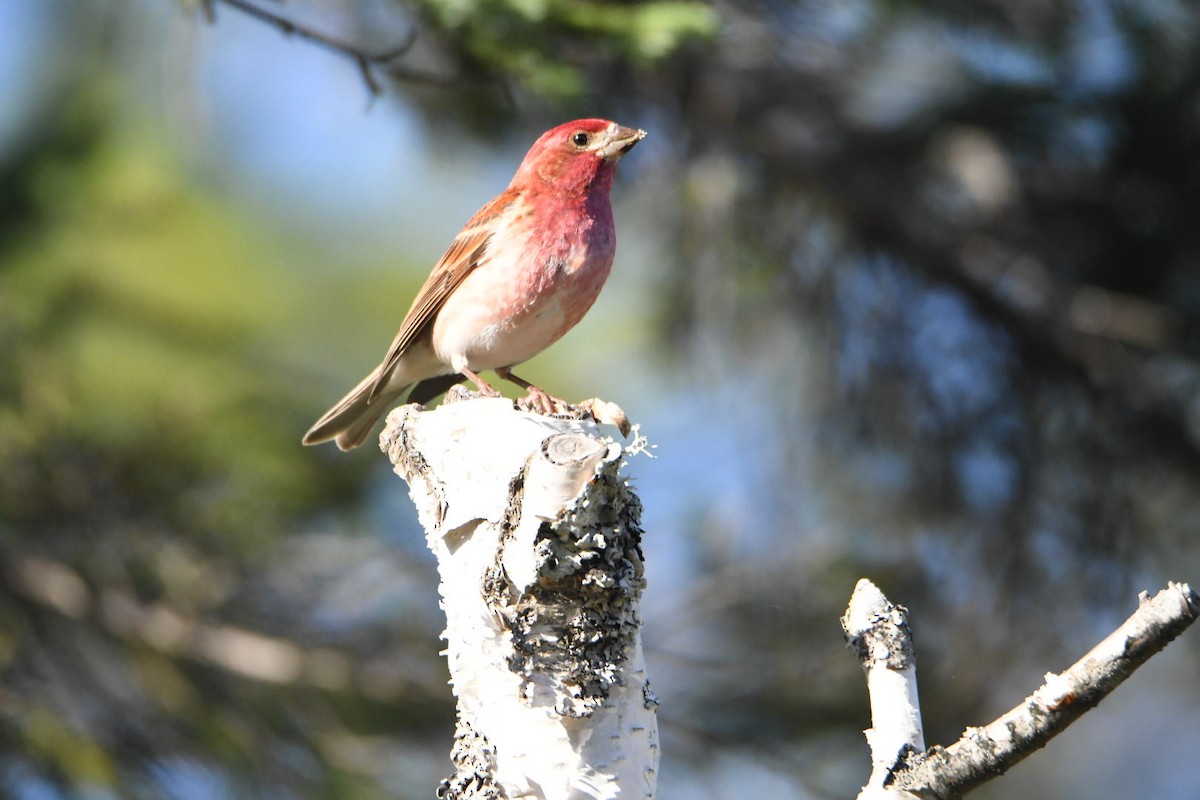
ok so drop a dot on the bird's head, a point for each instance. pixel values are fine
(575, 155)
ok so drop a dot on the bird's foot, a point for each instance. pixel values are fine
(538, 401)
(485, 388)
(595, 409)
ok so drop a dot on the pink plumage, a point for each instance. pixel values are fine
(521, 273)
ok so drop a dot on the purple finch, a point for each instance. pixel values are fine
(520, 274)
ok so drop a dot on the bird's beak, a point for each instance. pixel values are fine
(619, 141)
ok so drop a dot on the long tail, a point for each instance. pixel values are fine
(351, 421)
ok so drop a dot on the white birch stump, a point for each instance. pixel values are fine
(537, 538)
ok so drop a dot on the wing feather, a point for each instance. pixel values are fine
(466, 252)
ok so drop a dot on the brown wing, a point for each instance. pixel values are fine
(466, 252)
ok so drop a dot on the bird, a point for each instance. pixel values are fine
(521, 273)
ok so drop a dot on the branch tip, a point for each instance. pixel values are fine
(364, 69)
(984, 752)
(289, 27)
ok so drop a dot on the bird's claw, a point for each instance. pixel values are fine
(539, 401)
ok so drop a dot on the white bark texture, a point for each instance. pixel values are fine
(537, 537)
(881, 640)
(877, 630)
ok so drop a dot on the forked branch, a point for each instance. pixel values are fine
(878, 631)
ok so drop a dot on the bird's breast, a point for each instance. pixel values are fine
(532, 287)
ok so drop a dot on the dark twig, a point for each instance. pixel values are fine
(363, 59)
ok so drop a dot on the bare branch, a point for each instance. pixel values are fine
(984, 753)
(877, 630)
(363, 59)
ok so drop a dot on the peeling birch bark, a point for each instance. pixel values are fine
(877, 630)
(537, 537)
(945, 773)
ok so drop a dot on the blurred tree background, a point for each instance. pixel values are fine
(905, 290)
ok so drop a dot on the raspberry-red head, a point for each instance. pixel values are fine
(576, 156)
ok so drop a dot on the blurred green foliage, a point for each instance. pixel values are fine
(149, 458)
(134, 308)
(545, 46)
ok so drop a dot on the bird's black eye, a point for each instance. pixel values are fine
(580, 139)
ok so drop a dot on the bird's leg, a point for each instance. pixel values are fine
(485, 388)
(537, 398)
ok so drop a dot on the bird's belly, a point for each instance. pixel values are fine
(510, 315)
